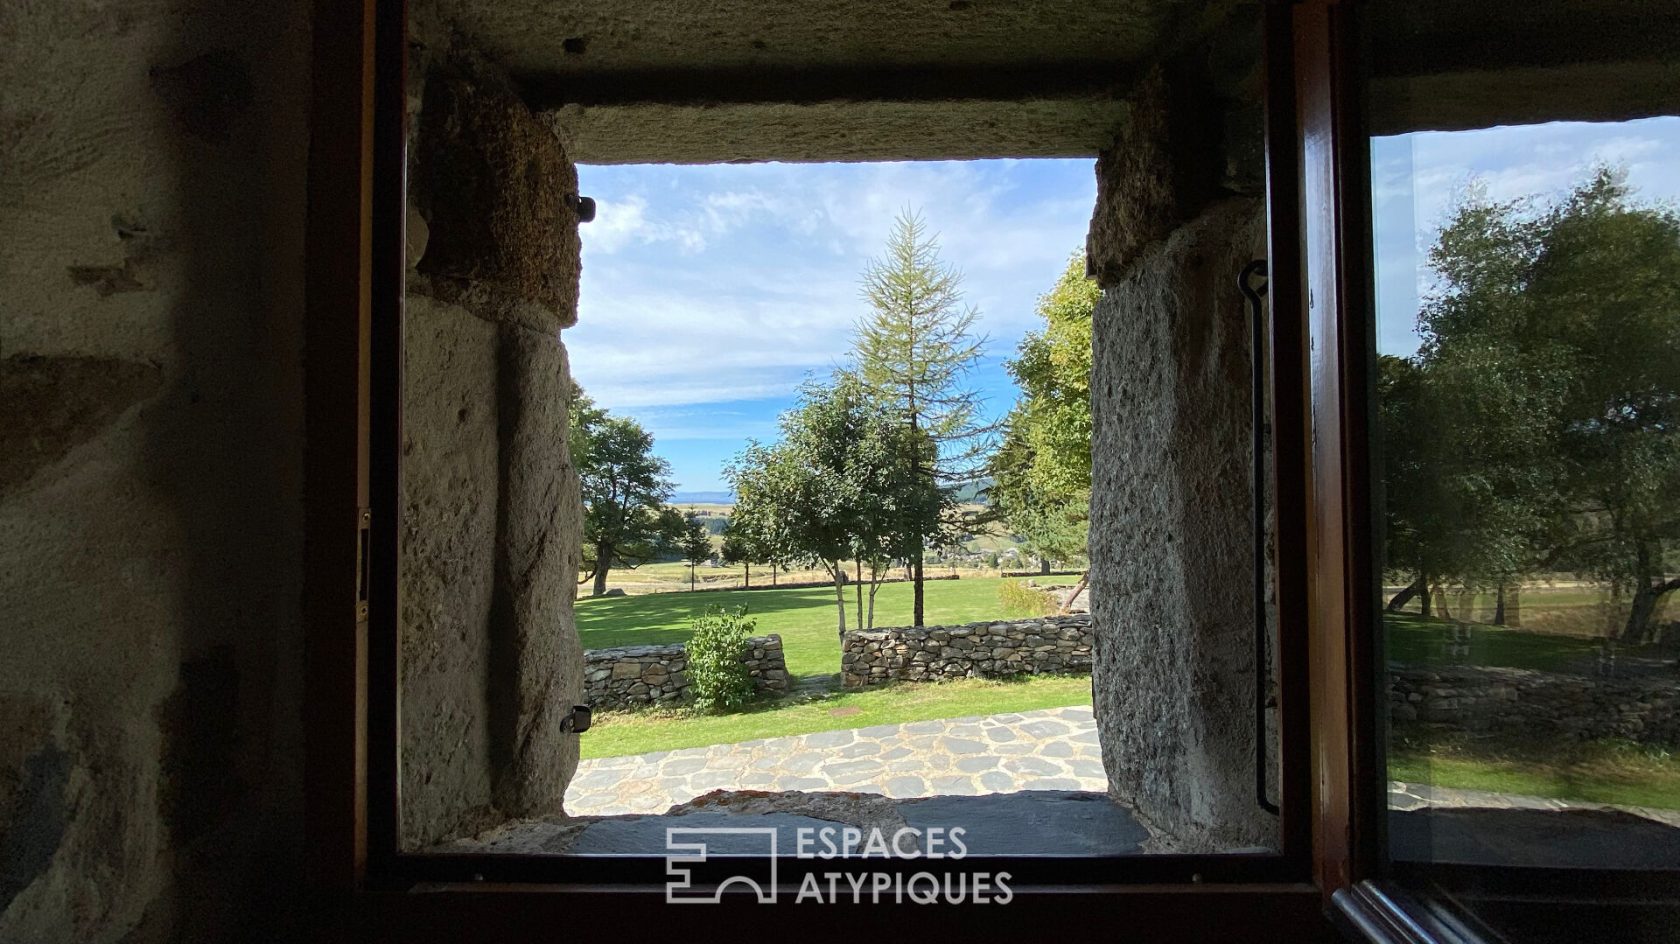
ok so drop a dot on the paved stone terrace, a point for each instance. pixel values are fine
(1049, 749)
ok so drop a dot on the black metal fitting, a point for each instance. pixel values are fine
(577, 720)
(585, 207)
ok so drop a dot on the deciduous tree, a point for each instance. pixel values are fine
(1538, 429)
(626, 522)
(1041, 473)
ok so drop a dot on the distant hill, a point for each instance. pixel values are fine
(974, 493)
(702, 498)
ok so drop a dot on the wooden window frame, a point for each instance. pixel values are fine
(356, 261)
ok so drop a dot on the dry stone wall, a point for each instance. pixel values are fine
(629, 676)
(1529, 704)
(1052, 644)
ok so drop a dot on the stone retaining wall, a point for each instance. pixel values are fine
(1528, 703)
(986, 650)
(643, 675)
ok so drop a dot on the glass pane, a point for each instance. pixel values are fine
(1525, 178)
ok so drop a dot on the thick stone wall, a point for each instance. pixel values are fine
(1171, 528)
(629, 676)
(1050, 644)
(492, 517)
(1524, 703)
(152, 215)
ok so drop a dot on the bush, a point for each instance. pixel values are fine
(1020, 600)
(719, 677)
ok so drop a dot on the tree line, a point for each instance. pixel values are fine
(871, 463)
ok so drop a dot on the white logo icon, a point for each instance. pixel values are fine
(686, 846)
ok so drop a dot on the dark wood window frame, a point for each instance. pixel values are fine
(1327, 791)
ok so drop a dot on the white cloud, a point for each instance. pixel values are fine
(1417, 179)
(712, 284)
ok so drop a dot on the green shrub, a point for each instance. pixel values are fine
(715, 669)
(1020, 600)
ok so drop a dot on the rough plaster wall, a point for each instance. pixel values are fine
(493, 520)
(151, 249)
(1171, 534)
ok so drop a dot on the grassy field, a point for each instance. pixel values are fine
(1417, 640)
(619, 733)
(1622, 774)
(1567, 607)
(804, 618)
(672, 576)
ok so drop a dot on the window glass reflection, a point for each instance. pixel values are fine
(1528, 438)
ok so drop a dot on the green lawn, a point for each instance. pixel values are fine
(1421, 641)
(1621, 774)
(617, 733)
(804, 618)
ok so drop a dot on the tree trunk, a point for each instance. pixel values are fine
(1067, 607)
(1648, 593)
(1642, 615)
(1405, 596)
(858, 564)
(690, 576)
(917, 610)
(874, 585)
(1499, 605)
(1043, 566)
(839, 574)
(603, 554)
(748, 565)
(1426, 600)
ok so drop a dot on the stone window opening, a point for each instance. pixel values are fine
(489, 656)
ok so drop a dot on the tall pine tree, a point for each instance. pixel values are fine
(914, 351)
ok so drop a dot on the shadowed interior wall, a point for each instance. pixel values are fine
(152, 211)
(492, 527)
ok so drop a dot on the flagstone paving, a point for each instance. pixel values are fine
(1048, 749)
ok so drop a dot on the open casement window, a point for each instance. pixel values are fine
(1509, 216)
(488, 215)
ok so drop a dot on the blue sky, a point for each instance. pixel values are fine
(1416, 179)
(710, 292)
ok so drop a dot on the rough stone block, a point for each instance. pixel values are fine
(497, 193)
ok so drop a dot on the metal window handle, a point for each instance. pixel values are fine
(1257, 370)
